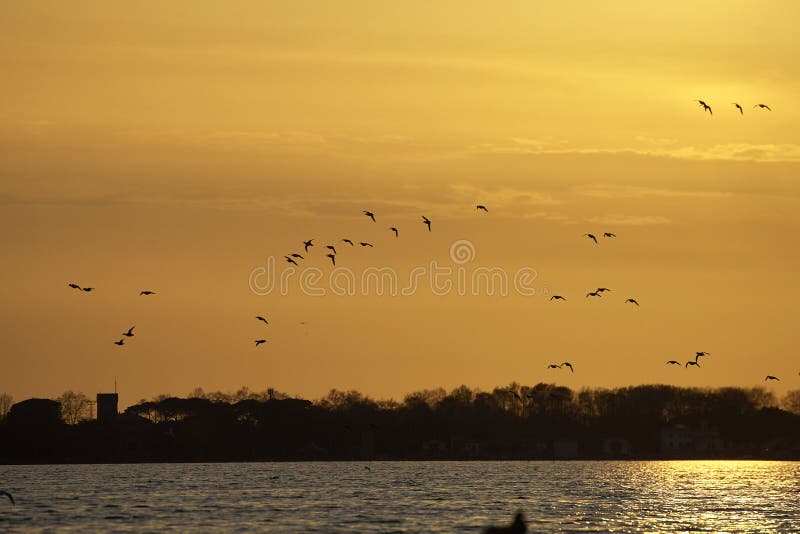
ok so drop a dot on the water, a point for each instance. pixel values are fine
(404, 496)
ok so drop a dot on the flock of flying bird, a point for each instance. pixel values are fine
(707, 107)
(129, 332)
(597, 293)
(738, 106)
(294, 257)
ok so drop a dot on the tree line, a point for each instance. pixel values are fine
(512, 422)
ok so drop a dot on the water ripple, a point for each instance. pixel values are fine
(404, 497)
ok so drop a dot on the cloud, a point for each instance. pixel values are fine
(629, 220)
(502, 196)
(116, 199)
(272, 138)
(741, 152)
(784, 152)
(621, 191)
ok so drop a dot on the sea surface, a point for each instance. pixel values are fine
(702, 496)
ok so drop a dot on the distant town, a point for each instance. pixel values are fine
(541, 422)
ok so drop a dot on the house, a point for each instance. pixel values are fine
(565, 449)
(616, 447)
(682, 440)
(471, 449)
(434, 448)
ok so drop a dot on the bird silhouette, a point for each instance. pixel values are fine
(74, 286)
(569, 365)
(481, 207)
(146, 293)
(396, 233)
(593, 294)
(557, 297)
(348, 242)
(295, 255)
(260, 342)
(741, 111)
(697, 355)
(426, 222)
(10, 497)
(365, 244)
(770, 377)
(763, 106)
(609, 234)
(331, 247)
(120, 342)
(129, 333)
(366, 468)
(370, 215)
(88, 289)
(592, 237)
(309, 243)
(290, 260)
(692, 363)
(518, 526)
(262, 319)
(602, 289)
(632, 301)
(706, 107)
(333, 258)
(673, 362)
(554, 366)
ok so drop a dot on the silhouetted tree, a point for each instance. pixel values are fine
(74, 407)
(515, 421)
(33, 432)
(6, 401)
(791, 402)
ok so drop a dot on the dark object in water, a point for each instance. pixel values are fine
(7, 494)
(518, 526)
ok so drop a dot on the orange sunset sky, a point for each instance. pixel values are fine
(177, 146)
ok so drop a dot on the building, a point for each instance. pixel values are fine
(565, 449)
(107, 407)
(616, 447)
(682, 440)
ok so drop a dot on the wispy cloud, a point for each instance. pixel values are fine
(785, 152)
(502, 196)
(623, 191)
(615, 219)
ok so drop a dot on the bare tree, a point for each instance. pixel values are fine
(74, 406)
(6, 401)
(197, 393)
(791, 402)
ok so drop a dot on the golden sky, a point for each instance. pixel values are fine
(177, 146)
